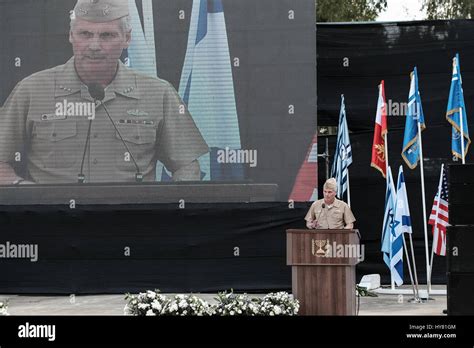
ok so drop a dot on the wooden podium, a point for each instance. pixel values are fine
(323, 270)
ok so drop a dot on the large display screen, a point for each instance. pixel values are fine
(101, 92)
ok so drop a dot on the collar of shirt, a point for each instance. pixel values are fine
(335, 204)
(68, 83)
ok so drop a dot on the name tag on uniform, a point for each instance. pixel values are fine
(143, 122)
(52, 117)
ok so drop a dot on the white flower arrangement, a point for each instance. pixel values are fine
(4, 308)
(280, 303)
(230, 304)
(146, 303)
(184, 305)
(151, 303)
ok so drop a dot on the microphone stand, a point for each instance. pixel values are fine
(81, 178)
(138, 174)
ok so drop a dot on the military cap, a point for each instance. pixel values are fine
(330, 184)
(99, 11)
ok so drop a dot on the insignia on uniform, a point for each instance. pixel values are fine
(52, 117)
(137, 113)
(106, 10)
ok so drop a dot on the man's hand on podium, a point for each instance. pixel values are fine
(312, 224)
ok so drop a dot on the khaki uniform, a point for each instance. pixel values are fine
(148, 112)
(336, 216)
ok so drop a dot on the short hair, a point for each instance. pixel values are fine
(125, 23)
(330, 184)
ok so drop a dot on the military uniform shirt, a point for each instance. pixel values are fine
(336, 216)
(148, 112)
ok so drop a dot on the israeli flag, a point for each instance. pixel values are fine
(401, 225)
(207, 88)
(343, 155)
(389, 213)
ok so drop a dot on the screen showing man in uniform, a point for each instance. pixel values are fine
(157, 91)
(95, 119)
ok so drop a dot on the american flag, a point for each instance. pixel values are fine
(439, 216)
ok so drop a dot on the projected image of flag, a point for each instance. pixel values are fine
(207, 88)
(306, 185)
(141, 52)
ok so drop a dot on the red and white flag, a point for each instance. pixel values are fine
(306, 184)
(378, 147)
(439, 216)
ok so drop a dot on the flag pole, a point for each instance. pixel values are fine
(414, 266)
(348, 189)
(415, 290)
(428, 281)
(387, 167)
(385, 139)
(461, 110)
(462, 135)
(436, 217)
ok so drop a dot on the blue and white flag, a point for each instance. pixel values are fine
(207, 88)
(343, 154)
(411, 140)
(141, 52)
(457, 111)
(401, 225)
(388, 218)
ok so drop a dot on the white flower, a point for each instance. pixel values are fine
(277, 310)
(125, 310)
(182, 304)
(150, 313)
(156, 305)
(151, 294)
(143, 305)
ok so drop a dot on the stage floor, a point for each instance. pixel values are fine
(114, 305)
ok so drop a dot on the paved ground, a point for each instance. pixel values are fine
(114, 304)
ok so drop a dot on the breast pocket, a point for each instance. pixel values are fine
(55, 144)
(338, 216)
(141, 141)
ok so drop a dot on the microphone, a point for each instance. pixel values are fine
(323, 206)
(327, 221)
(98, 93)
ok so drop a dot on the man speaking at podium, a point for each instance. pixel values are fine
(330, 213)
(95, 118)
